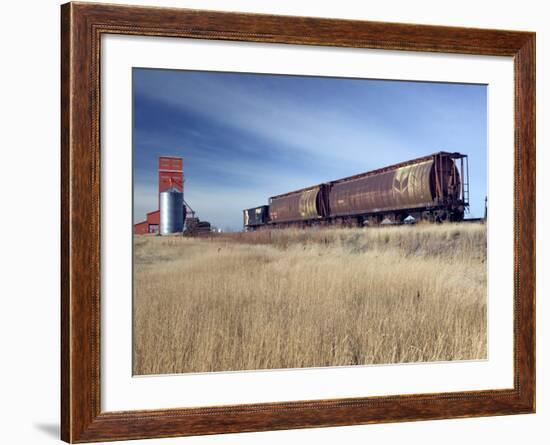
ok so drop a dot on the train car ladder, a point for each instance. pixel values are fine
(466, 188)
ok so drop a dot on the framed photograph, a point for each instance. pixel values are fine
(275, 222)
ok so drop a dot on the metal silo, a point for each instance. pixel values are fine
(171, 211)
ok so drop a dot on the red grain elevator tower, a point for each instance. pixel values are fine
(170, 175)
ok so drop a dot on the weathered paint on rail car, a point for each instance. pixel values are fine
(298, 206)
(431, 188)
(255, 216)
(405, 187)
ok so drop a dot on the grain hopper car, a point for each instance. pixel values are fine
(431, 188)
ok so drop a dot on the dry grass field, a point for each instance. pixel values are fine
(309, 298)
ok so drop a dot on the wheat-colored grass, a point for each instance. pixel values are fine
(309, 298)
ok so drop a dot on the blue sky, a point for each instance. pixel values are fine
(245, 137)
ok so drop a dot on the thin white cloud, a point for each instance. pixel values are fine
(337, 133)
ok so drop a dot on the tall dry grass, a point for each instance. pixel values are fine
(308, 298)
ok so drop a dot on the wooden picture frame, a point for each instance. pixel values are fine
(82, 25)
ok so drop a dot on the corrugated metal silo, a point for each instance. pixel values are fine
(171, 211)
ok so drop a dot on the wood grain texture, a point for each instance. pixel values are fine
(82, 27)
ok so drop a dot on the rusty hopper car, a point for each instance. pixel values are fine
(429, 188)
(299, 207)
(257, 216)
(432, 188)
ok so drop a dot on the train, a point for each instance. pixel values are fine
(432, 188)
